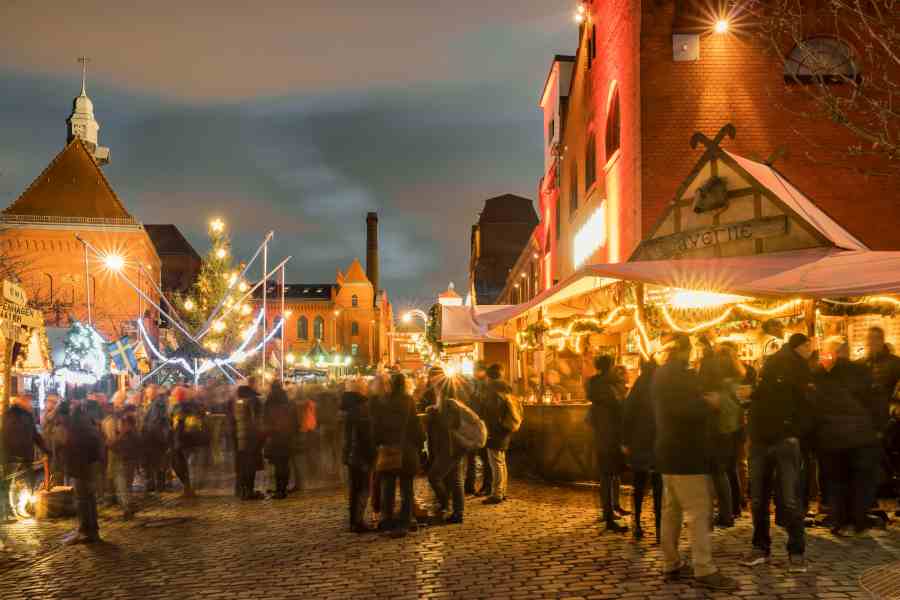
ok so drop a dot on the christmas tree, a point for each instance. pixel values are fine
(219, 282)
(85, 360)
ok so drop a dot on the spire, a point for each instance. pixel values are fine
(81, 123)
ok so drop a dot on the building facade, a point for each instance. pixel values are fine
(70, 198)
(180, 262)
(645, 78)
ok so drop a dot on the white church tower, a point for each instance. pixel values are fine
(82, 124)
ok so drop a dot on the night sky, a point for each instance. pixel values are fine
(294, 116)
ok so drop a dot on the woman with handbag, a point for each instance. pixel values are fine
(398, 436)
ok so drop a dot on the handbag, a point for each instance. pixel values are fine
(389, 457)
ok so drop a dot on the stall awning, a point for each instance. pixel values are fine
(466, 325)
(814, 273)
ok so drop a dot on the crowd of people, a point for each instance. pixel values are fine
(812, 423)
(394, 428)
(698, 429)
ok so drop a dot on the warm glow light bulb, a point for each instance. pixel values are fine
(114, 262)
(189, 304)
(217, 225)
(242, 287)
(722, 26)
(219, 326)
(579, 18)
(221, 253)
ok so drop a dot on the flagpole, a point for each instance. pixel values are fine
(265, 323)
(283, 316)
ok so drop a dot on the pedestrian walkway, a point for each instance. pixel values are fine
(545, 542)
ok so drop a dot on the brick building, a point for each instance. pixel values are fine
(180, 262)
(503, 229)
(73, 197)
(645, 78)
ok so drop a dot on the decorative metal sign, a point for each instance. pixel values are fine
(708, 237)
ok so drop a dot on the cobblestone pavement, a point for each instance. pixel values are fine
(543, 543)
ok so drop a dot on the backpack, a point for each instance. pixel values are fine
(512, 416)
(472, 432)
(308, 417)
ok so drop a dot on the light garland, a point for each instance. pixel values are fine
(239, 355)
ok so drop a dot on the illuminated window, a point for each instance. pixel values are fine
(591, 236)
(820, 60)
(319, 328)
(590, 162)
(354, 328)
(573, 191)
(354, 349)
(303, 328)
(613, 125)
(354, 300)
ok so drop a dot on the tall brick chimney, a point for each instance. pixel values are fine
(372, 249)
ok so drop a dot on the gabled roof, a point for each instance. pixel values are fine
(356, 273)
(795, 200)
(169, 241)
(72, 186)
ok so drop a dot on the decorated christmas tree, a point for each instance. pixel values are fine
(219, 282)
(85, 360)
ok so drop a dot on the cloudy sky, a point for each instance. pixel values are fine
(294, 116)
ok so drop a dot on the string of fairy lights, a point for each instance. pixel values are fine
(577, 330)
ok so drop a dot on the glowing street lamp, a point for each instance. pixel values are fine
(722, 26)
(114, 262)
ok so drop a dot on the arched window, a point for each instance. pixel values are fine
(319, 329)
(354, 328)
(573, 191)
(354, 300)
(613, 124)
(303, 328)
(820, 60)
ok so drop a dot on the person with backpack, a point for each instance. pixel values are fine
(503, 417)
(280, 419)
(446, 473)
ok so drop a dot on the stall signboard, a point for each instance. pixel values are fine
(17, 315)
(708, 237)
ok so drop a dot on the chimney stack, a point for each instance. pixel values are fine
(372, 250)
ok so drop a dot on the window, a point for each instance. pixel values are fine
(613, 125)
(319, 329)
(354, 328)
(551, 131)
(592, 46)
(303, 328)
(590, 164)
(573, 191)
(558, 216)
(354, 301)
(354, 349)
(820, 60)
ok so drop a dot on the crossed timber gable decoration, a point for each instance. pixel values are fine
(722, 209)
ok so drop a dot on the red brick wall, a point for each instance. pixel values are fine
(736, 82)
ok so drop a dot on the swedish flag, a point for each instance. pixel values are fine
(121, 352)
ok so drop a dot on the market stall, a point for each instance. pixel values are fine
(740, 255)
(23, 342)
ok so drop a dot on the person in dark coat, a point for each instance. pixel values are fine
(280, 418)
(496, 405)
(638, 438)
(20, 436)
(446, 471)
(846, 437)
(395, 424)
(156, 433)
(884, 366)
(82, 447)
(606, 419)
(682, 412)
(780, 417)
(359, 452)
(247, 417)
(476, 403)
